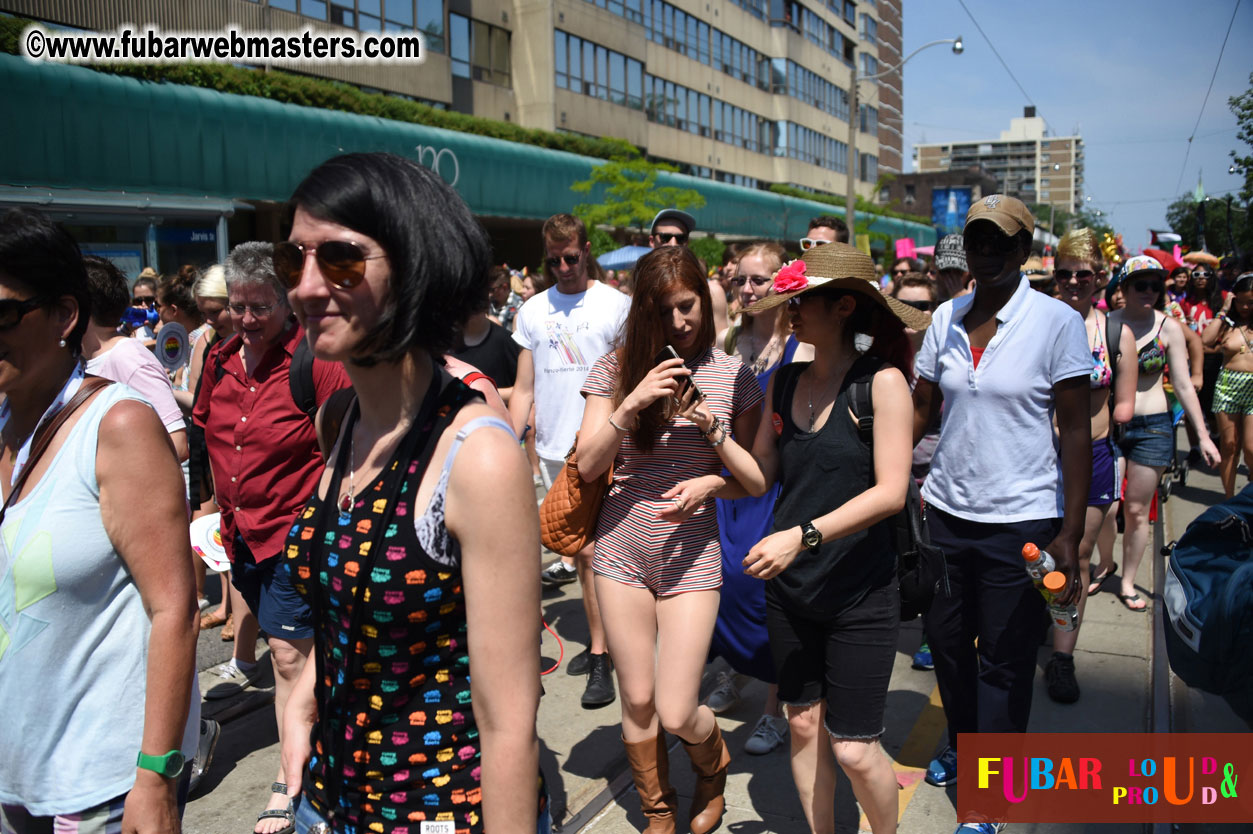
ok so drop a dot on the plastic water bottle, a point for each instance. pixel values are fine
(136, 317)
(1063, 616)
(1039, 562)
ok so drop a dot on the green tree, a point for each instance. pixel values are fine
(1242, 107)
(709, 249)
(630, 196)
(1181, 217)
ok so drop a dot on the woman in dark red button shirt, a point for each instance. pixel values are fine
(263, 451)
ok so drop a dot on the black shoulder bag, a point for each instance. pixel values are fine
(921, 569)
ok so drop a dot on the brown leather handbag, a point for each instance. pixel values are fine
(567, 518)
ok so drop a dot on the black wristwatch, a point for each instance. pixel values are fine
(810, 537)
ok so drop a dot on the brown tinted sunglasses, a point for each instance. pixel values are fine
(342, 262)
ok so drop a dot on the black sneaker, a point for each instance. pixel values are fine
(600, 691)
(579, 663)
(558, 574)
(1059, 674)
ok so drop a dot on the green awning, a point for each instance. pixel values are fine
(73, 127)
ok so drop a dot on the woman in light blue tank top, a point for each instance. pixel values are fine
(95, 567)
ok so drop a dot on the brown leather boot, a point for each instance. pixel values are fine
(650, 767)
(709, 760)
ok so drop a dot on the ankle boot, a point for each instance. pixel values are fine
(650, 768)
(709, 760)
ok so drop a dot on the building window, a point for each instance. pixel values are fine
(850, 12)
(313, 8)
(478, 50)
(868, 167)
(560, 47)
(459, 44)
(370, 15)
(285, 5)
(869, 29)
(430, 21)
(343, 15)
(869, 65)
(589, 69)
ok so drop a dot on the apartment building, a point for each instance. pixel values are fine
(1026, 161)
(746, 92)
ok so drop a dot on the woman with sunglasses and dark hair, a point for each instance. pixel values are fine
(1232, 333)
(96, 672)
(418, 547)
(1112, 392)
(658, 561)
(1148, 441)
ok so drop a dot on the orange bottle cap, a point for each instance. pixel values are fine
(1030, 552)
(1055, 581)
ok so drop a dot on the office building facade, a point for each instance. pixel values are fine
(747, 92)
(1027, 162)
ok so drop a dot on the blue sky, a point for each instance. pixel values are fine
(1130, 76)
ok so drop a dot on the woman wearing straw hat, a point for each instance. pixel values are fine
(832, 600)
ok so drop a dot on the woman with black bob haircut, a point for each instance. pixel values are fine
(438, 256)
(104, 561)
(425, 505)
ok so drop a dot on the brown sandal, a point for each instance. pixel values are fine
(228, 631)
(210, 620)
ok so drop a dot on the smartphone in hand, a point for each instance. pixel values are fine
(668, 352)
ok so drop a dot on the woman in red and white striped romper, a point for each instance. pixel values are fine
(658, 564)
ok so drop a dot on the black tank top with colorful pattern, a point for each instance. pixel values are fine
(397, 743)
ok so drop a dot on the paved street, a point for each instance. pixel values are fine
(583, 759)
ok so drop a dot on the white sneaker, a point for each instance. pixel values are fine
(210, 731)
(767, 735)
(231, 680)
(725, 695)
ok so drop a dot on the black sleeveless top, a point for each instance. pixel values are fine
(819, 472)
(397, 742)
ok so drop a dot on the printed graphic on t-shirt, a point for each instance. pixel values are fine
(562, 344)
(28, 579)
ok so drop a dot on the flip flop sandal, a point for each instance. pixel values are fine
(287, 813)
(228, 631)
(212, 620)
(1127, 599)
(1098, 579)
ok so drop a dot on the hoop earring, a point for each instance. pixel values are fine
(62, 343)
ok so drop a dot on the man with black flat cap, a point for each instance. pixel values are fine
(672, 227)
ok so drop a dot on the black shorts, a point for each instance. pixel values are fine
(846, 660)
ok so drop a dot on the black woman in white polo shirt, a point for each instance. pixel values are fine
(1005, 359)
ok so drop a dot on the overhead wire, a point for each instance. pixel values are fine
(1183, 168)
(992, 46)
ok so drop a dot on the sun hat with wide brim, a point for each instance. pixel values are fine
(839, 266)
(1201, 258)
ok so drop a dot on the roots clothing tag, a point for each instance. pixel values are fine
(437, 827)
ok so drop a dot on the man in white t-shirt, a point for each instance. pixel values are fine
(562, 331)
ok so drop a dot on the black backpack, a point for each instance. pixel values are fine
(300, 377)
(921, 569)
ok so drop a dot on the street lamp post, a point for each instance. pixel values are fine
(850, 206)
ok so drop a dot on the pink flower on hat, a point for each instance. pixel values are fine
(791, 277)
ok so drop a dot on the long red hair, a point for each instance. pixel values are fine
(656, 275)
